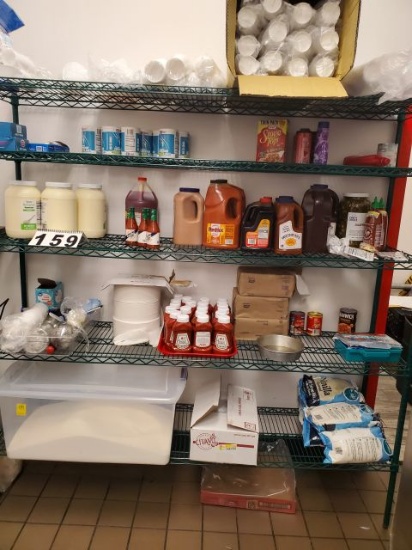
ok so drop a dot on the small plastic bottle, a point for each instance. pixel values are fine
(143, 228)
(171, 325)
(223, 335)
(167, 324)
(202, 334)
(321, 150)
(131, 228)
(182, 334)
(153, 231)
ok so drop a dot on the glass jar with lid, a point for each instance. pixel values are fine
(352, 217)
(59, 207)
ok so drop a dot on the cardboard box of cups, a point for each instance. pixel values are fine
(303, 49)
(261, 301)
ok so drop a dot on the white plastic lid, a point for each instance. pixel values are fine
(356, 195)
(90, 185)
(175, 314)
(175, 302)
(24, 182)
(187, 299)
(303, 13)
(59, 184)
(186, 309)
(170, 309)
(182, 318)
(219, 300)
(277, 31)
(191, 303)
(177, 296)
(156, 132)
(298, 66)
(167, 130)
(110, 129)
(204, 299)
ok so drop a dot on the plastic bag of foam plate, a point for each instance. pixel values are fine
(321, 390)
(355, 445)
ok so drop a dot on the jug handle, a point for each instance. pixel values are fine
(200, 207)
(298, 216)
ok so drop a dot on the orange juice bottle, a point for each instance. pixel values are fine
(288, 226)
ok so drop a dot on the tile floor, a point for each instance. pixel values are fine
(66, 506)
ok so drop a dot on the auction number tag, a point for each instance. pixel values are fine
(57, 239)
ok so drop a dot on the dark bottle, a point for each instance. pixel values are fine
(320, 208)
(258, 225)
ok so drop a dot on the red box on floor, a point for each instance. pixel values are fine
(264, 489)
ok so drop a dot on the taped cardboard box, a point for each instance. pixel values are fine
(256, 307)
(251, 329)
(309, 86)
(265, 282)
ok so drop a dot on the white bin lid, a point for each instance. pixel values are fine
(42, 380)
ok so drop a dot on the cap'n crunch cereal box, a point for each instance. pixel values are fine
(271, 140)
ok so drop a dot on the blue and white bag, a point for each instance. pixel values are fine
(321, 390)
(355, 446)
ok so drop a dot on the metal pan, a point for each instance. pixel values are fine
(280, 348)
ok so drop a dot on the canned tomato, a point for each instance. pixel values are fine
(297, 323)
(347, 320)
(314, 323)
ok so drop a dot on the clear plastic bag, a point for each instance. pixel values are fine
(271, 489)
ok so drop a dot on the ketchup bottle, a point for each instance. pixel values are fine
(202, 334)
(167, 324)
(223, 335)
(182, 334)
(170, 329)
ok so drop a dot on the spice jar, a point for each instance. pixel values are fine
(352, 217)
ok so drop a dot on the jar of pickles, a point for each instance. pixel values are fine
(352, 217)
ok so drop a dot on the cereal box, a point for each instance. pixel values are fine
(271, 140)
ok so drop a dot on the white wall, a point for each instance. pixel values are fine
(55, 34)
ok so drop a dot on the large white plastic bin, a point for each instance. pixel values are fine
(89, 412)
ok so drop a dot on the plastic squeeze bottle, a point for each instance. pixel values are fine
(153, 231)
(182, 333)
(142, 234)
(141, 196)
(202, 334)
(131, 228)
(321, 149)
(223, 335)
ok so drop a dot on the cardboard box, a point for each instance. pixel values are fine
(256, 307)
(226, 433)
(268, 489)
(265, 281)
(49, 293)
(51, 147)
(251, 329)
(13, 137)
(289, 86)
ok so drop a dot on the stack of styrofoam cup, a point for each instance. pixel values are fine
(277, 37)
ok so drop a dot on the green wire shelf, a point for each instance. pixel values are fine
(206, 165)
(275, 423)
(98, 95)
(319, 356)
(112, 246)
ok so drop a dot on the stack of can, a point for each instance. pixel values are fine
(129, 141)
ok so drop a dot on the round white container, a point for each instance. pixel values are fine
(136, 294)
(132, 312)
(22, 209)
(91, 210)
(122, 327)
(59, 207)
